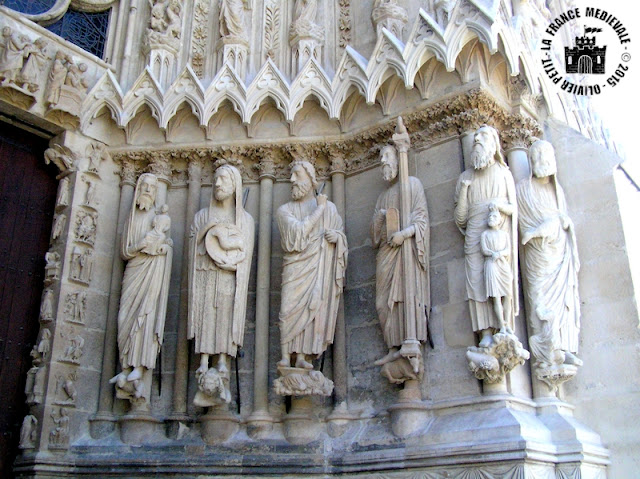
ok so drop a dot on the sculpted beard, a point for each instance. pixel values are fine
(388, 172)
(300, 189)
(543, 168)
(145, 201)
(480, 157)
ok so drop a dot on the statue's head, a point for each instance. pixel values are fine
(6, 32)
(543, 159)
(224, 182)
(389, 162)
(303, 178)
(146, 191)
(486, 147)
(495, 217)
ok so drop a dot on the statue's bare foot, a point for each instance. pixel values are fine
(487, 339)
(284, 363)
(202, 369)
(390, 356)
(135, 375)
(570, 358)
(302, 363)
(222, 367)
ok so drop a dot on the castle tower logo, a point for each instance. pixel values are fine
(584, 51)
(586, 57)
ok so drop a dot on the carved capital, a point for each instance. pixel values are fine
(161, 167)
(516, 138)
(194, 168)
(267, 168)
(127, 173)
(338, 164)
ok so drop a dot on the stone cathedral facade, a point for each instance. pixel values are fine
(275, 90)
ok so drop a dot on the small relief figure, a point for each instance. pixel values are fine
(74, 350)
(90, 195)
(304, 20)
(57, 76)
(81, 265)
(165, 24)
(390, 15)
(231, 18)
(221, 248)
(75, 77)
(314, 264)
(496, 247)
(96, 152)
(36, 57)
(75, 307)
(52, 268)
(46, 307)
(12, 56)
(66, 392)
(28, 432)
(59, 221)
(86, 227)
(44, 345)
(62, 199)
(61, 156)
(148, 251)
(34, 388)
(59, 436)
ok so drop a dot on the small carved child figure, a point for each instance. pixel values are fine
(496, 247)
(157, 237)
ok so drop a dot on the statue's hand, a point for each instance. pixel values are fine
(465, 184)
(163, 249)
(565, 221)
(396, 239)
(321, 199)
(331, 236)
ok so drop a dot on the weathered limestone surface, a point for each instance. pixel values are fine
(227, 84)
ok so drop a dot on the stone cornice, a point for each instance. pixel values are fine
(448, 118)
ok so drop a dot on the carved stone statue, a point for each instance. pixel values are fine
(35, 58)
(221, 248)
(550, 269)
(392, 288)
(52, 268)
(59, 436)
(145, 288)
(315, 259)
(231, 18)
(57, 76)
(304, 20)
(28, 432)
(59, 221)
(62, 199)
(12, 56)
(46, 307)
(165, 25)
(390, 15)
(489, 186)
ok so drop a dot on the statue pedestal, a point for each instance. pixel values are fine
(580, 452)
(259, 425)
(101, 425)
(340, 419)
(140, 427)
(300, 425)
(409, 414)
(234, 51)
(218, 425)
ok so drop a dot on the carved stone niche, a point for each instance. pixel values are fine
(75, 307)
(85, 227)
(388, 14)
(74, 347)
(59, 434)
(66, 392)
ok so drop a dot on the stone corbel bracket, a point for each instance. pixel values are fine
(390, 56)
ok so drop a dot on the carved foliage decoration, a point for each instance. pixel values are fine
(200, 36)
(272, 24)
(344, 23)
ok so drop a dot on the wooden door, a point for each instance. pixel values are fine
(27, 201)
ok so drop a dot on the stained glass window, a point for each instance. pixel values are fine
(87, 30)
